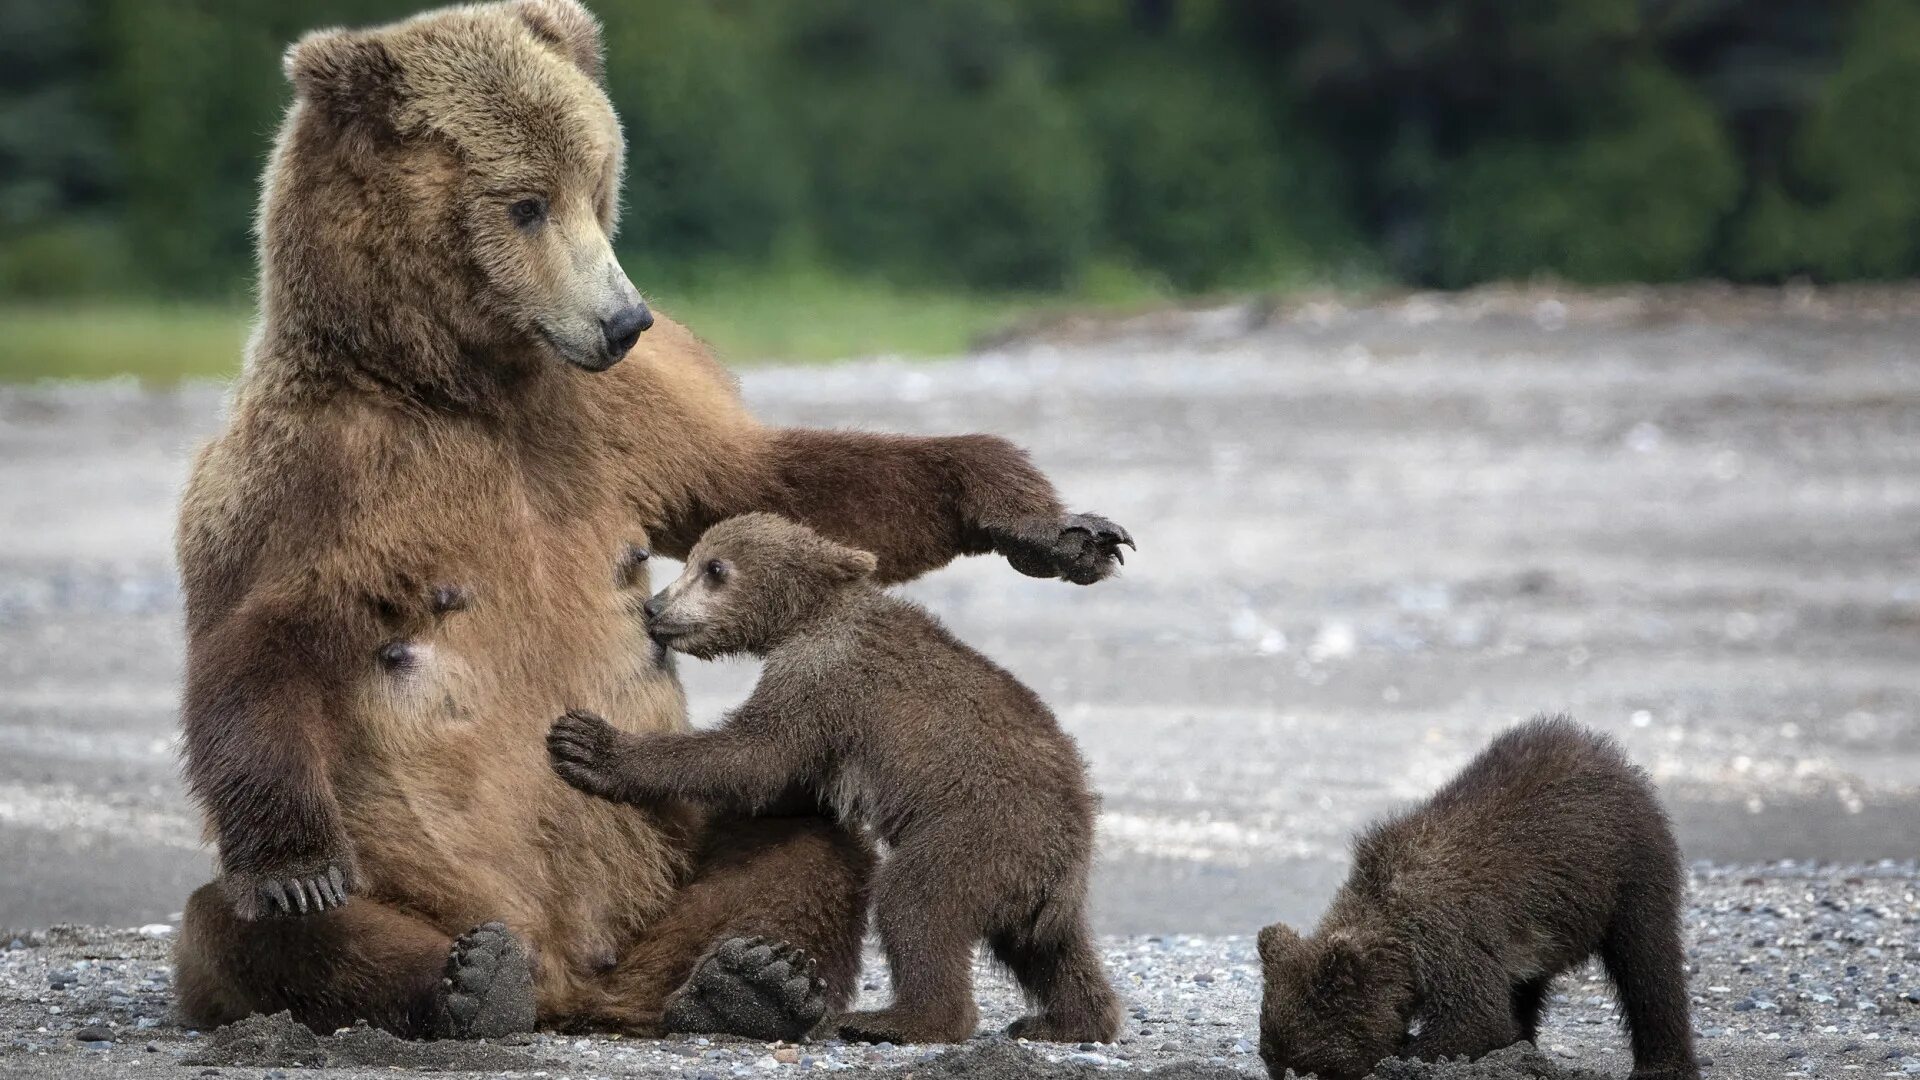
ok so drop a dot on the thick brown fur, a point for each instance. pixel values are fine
(1547, 849)
(408, 551)
(868, 702)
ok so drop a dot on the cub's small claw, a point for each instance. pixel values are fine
(585, 751)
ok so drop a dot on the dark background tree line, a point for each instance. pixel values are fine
(1020, 144)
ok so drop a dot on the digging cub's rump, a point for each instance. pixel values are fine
(1547, 849)
(870, 703)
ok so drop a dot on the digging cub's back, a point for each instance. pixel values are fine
(921, 730)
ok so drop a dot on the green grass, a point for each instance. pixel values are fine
(750, 316)
(96, 340)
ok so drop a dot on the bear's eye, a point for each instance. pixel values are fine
(528, 212)
(717, 572)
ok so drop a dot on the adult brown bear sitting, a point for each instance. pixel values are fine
(419, 540)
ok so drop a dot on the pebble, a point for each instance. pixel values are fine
(93, 1033)
(1842, 982)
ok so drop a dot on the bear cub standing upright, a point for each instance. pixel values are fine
(869, 703)
(1548, 848)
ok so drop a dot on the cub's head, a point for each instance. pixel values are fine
(1335, 1004)
(452, 179)
(749, 583)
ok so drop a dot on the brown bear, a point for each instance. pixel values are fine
(868, 703)
(453, 383)
(1547, 849)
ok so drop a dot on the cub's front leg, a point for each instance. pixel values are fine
(729, 770)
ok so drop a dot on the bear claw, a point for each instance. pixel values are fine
(751, 987)
(1080, 548)
(299, 894)
(487, 991)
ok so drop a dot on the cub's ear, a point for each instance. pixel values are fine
(847, 565)
(1343, 965)
(1278, 941)
(569, 27)
(348, 73)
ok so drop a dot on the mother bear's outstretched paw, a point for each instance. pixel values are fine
(488, 988)
(752, 987)
(1081, 548)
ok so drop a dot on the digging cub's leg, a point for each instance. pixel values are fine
(364, 961)
(1529, 1000)
(1476, 1018)
(1642, 953)
(928, 931)
(1064, 976)
(762, 942)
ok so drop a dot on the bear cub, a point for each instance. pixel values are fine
(867, 702)
(1547, 849)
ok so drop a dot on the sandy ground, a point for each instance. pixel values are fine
(1370, 537)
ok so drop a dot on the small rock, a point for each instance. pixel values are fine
(786, 1055)
(93, 1033)
(1095, 1060)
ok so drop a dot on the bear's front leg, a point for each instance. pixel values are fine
(915, 502)
(727, 770)
(1080, 548)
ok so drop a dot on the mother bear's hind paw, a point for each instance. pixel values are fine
(488, 988)
(753, 988)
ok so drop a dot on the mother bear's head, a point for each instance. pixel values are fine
(443, 197)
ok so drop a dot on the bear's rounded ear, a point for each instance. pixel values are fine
(349, 73)
(846, 565)
(1277, 941)
(569, 27)
(1344, 964)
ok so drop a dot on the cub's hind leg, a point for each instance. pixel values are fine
(1529, 1000)
(1643, 956)
(1060, 969)
(928, 927)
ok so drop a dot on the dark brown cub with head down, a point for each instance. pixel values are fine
(1547, 849)
(870, 703)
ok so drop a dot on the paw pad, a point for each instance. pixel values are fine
(487, 991)
(752, 987)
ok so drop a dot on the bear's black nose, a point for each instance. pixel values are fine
(652, 608)
(625, 328)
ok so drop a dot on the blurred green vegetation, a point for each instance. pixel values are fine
(748, 312)
(861, 175)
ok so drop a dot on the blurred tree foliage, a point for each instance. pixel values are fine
(1019, 143)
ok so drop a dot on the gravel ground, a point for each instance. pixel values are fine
(1796, 972)
(1372, 535)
